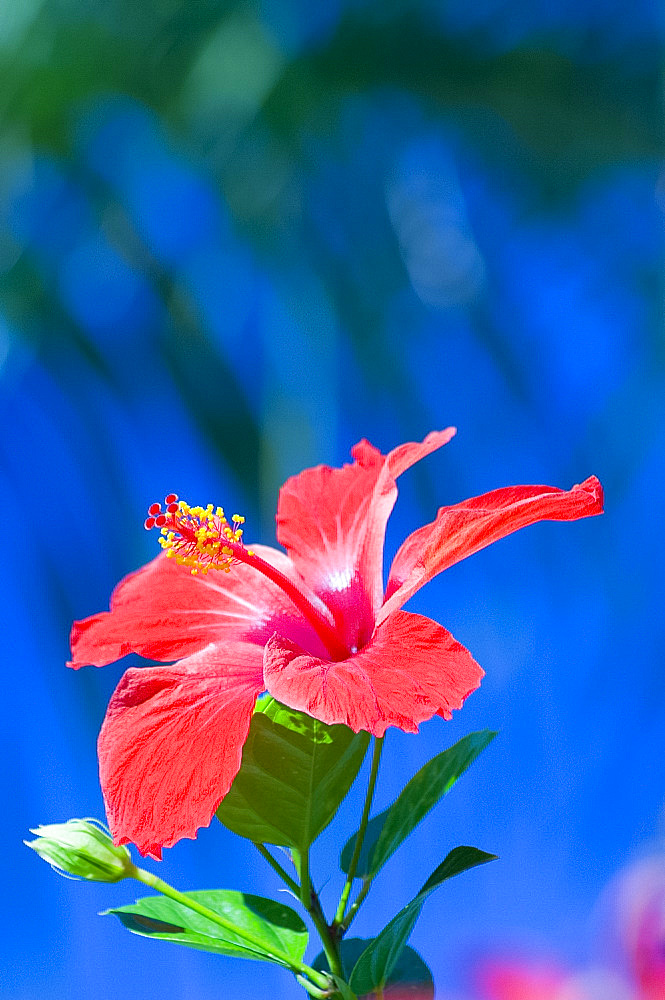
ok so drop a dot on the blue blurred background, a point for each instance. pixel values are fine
(234, 239)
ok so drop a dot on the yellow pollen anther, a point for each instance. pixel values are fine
(198, 537)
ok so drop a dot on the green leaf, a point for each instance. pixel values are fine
(410, 973)
(390, 828)
(344, 989)
(380, 958)
(294, 774)
(275, 926)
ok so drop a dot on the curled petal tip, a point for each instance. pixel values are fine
(594, 488)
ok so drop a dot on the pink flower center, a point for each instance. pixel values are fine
(202, 539)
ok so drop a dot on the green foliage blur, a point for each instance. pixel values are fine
(256, 106)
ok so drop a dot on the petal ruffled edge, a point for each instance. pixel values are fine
(171, 743)
(411, 670)
(464, 528)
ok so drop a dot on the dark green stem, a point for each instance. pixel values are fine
(310, 900)
(344, 898)
(301, 862)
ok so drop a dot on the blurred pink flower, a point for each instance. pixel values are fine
(633, 950)
(640, 914)
(523, 980)
(515, 980)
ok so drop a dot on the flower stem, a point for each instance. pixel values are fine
(302, 864)
(314, 991)
(355, 906)
(344, 898)
(254, 944)
(310, 900)
(274, 863)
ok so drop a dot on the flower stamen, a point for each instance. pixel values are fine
(200, 538)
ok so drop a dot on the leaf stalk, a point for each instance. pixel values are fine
(275, 865)
(153, 882)
(339, 923)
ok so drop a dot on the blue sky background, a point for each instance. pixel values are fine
(236, 238)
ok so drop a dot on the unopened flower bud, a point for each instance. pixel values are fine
(82, 849)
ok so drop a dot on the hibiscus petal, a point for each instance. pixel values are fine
(163, 612)
(466, 527)
(332, 523)
(411, 669)
(171, 743)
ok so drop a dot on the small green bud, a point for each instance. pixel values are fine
(80, 848)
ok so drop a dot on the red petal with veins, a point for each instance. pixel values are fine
(332, 523)
(411, 669)
(163, 612)
(466, 527)
(171, 743)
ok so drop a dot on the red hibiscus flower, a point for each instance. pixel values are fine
(312, 626)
